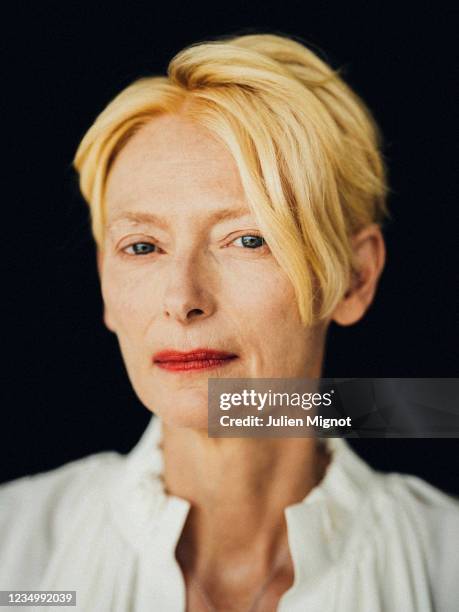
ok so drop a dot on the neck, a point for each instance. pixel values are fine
(238, 489)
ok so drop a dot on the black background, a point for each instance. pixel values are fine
(66, 390)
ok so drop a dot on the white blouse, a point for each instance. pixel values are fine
(103, 526)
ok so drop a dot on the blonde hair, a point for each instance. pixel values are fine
(307, 149)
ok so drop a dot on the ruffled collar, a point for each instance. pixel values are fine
(318, 527)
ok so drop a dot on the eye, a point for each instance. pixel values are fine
(140, 248)
(251, 241)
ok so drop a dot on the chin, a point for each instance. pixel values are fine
(189, 417)
(196, 421)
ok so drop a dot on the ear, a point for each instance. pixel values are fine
(370, 256)
(106, 317)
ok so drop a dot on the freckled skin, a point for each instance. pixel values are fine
(245, 301)
(202, 287)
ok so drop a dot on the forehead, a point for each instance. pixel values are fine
(170, 161)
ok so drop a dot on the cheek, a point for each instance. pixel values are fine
(128, 309)
(127, 302)
(254, 298)
(266, 298)
(262, 312)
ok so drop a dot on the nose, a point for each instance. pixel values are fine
(188, 294)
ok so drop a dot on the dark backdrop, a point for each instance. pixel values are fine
(66, 389)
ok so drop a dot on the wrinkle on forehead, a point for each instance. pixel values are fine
(174, 140)
(170, 154)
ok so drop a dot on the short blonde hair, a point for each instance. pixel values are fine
(307, 149)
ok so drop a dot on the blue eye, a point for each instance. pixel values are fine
(249, 241)
(252, 241)
(140, 248)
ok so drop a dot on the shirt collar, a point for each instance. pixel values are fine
(317, 526)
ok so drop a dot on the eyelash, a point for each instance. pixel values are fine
(124, 249)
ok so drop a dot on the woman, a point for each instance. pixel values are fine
(248, 142)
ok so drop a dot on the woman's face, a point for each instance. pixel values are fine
(184, 267)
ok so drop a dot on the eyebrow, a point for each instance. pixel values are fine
(147, 218)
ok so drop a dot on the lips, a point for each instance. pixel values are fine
(197, 359)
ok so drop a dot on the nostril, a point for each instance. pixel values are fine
(195, 311)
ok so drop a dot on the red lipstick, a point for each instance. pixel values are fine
(197, 359)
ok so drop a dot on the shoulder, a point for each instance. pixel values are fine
(36, 510)
(397, 529)
(430, 511)
(38, 493)
(390, 499)
(420, 524)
